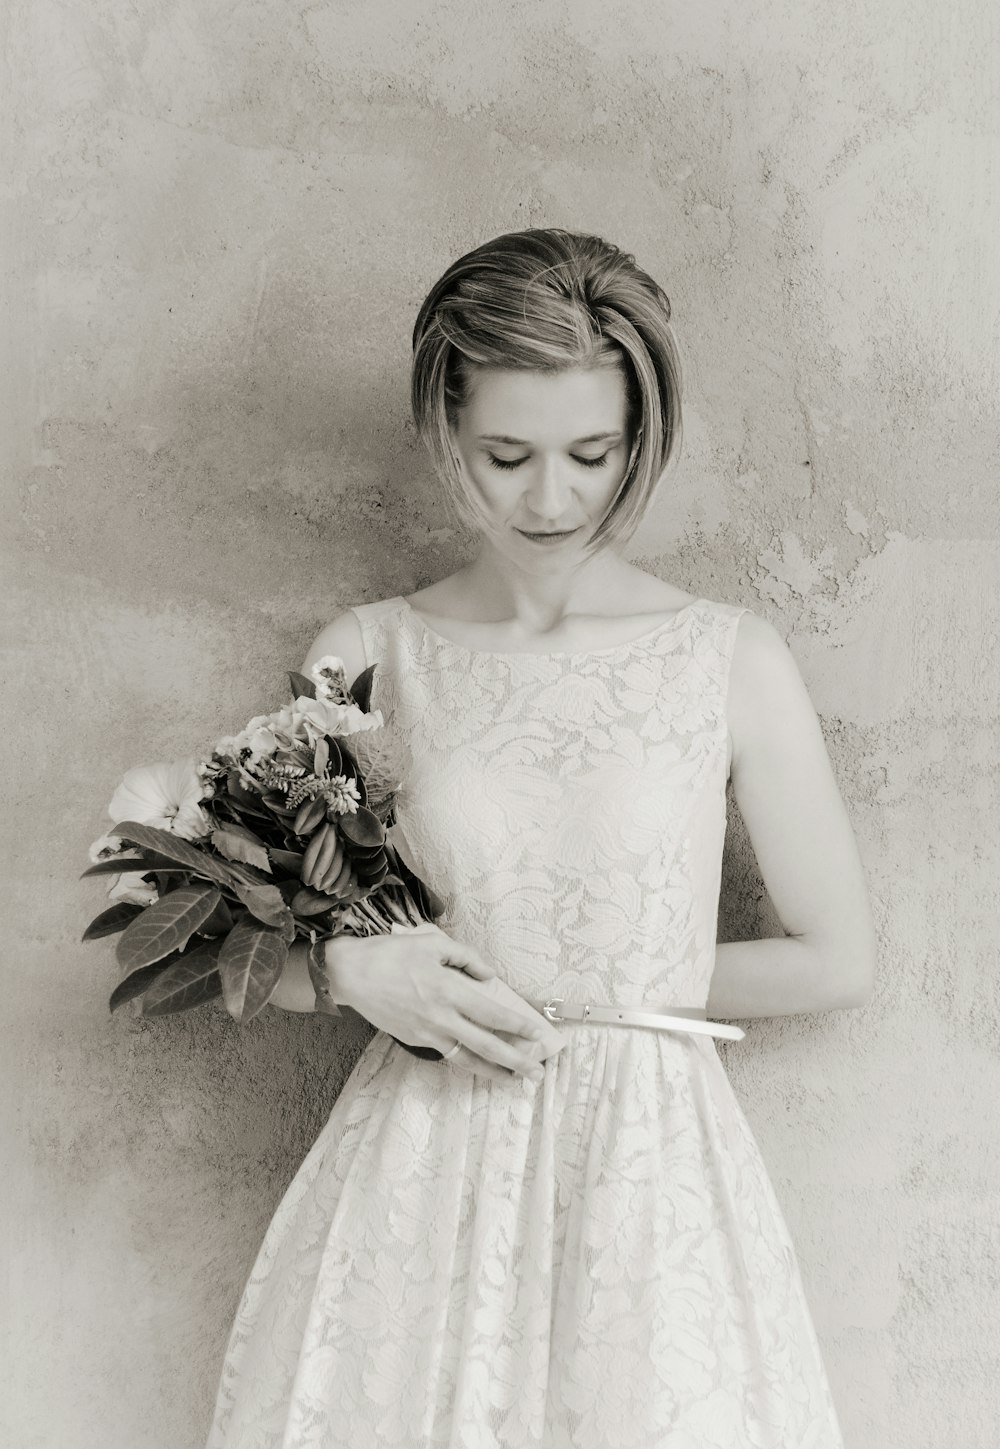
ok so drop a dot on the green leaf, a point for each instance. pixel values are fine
(290, 860)
(349, 767)
(166, 925)
(355, 893)
(335, 762)
(196, 858)
(236, 842)
(362, 687)
(136, 982)
(170, 879)
(369, 874)
(246, 799)
(219, 922)
(189, 982)
(277, 804)
(362, 828)
(250, 965)
(115, 918)
(301, 685)
(307, 902)
(132, 864)
(266, 903)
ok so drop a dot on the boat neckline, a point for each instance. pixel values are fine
(640, 639)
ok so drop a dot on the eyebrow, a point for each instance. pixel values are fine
(520, 442)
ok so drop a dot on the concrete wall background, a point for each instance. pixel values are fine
(219, 222)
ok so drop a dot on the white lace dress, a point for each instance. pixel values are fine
(595, 1262)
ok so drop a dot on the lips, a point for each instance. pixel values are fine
(553, 533)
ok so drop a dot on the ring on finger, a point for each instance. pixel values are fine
(451, 1052)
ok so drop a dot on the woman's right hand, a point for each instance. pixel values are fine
(396, 982)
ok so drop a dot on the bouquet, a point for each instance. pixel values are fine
(220, 864)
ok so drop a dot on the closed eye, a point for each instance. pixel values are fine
(516, 462)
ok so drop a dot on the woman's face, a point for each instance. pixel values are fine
(546, 453)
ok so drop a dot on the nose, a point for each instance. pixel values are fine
(549, 495)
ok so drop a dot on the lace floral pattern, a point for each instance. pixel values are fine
(596, 1262)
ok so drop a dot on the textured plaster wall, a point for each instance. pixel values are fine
(219, 221)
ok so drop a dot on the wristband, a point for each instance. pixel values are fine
(316, 959)
(325, 1003)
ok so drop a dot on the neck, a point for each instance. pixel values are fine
(539, 598)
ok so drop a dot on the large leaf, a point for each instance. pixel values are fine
(236, 842)
(290, 860)
(189, 982)
(136, 982)
(133, 864)
(277, 804)
(362, 828)
(219, 922)
(307, 902)
(114, 919)
(250, 964)
(166, 925)
(268, 905)
(176, 848)
(245, 798)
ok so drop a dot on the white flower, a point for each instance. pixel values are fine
(260, 739)
(329, 676)
(225, 747)
(311, 719)
(165, 796)
(106, 847)
(132, 888)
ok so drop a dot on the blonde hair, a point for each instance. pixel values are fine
(545, 299)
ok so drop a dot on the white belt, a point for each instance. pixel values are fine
(678, 1018)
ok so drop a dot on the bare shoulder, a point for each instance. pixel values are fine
(342, 636)
(445, 598)
(757, 639)
(767, 697)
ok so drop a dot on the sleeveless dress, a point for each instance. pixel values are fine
(598, 1261)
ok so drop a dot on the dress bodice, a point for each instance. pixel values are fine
(568, 807)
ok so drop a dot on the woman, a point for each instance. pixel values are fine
(516, 1246)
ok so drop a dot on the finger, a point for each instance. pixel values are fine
(467, 958)
(485, 1009)
(519, 1058)
(478, 970)
(470, 1065)
(475, 1065)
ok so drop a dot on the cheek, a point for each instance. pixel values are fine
(617, 471)
(494, 487)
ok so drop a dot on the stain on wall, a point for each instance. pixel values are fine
(218, 225)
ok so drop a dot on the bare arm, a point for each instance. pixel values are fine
(798, 825)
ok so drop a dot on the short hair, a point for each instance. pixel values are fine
(545, 299)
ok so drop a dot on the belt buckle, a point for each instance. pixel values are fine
(549, 1010)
